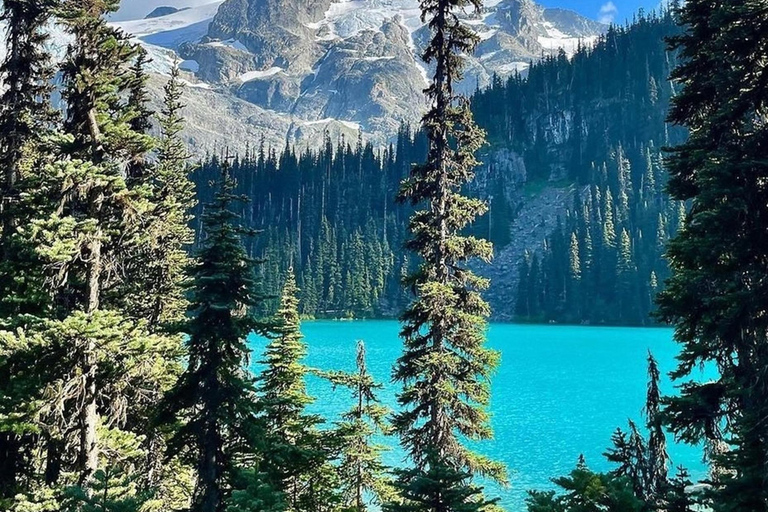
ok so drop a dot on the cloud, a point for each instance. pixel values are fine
(608, 12)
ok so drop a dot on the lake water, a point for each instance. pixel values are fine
(560, 391)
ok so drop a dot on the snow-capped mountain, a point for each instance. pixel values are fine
(289, 70)
(343, 64)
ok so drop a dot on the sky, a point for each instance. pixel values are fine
(606, 11)
(603, 10)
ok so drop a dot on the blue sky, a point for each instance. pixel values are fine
(604, 10)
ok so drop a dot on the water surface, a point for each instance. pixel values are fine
(560, 391)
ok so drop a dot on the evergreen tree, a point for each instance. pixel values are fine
(658, 459)
(678, 498)
(586, 491)
(295, 452)
(91, 366)
(445, 366)
(214, 398)
(715, 297)
(26, 121)
(361, 471)
(26, 116)
(156, 269)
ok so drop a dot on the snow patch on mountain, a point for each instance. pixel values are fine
(230, 43)
(556, 39)
(173, 30)
(255, 75)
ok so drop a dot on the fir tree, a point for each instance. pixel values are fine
(91, 363)
(715, 297)
(26, 120)
(156, 269)
(678, 498)
(295, 452)
(445, 366)
(214, 398)
(586, 491)
(361, 471)
(657, 459)
(26, 115)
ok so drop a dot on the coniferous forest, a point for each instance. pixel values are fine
(328, 211)
(133, 280)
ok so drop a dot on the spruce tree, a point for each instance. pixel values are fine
(295, 451)
(26, 121)
(363, 475)
(90, 361)
(96, 199)
(156, 268)
(215, 397)
(445, 366)
(586, 491)
(716, 295)
(657, 465)
(678, 497)
(26, 114)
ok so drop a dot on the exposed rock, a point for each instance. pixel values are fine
(275, 31)
(358, 61)
(307, 65)
(536, 220)
(369, 78)
(163, 11)
(219, 62)
(216, 121)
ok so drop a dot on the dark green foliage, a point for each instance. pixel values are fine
(641, 462)
(593, 258)
(657, 465)
(437, 487)
(586, 491)
(159, 260)
(716, 295)
(445, 366)
(329, 214)
(215, 397)
(91, 371)
(639, 479)
(110, 491)
(605, 137)
(569, 115)
(26, 120)
(678, 498)
(363, 476)
(295, 453)
(601, 135)
(26, 117)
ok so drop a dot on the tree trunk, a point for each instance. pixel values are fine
(208, 493)
(89, 449)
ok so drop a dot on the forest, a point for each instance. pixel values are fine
(606, 137)
(128, 295)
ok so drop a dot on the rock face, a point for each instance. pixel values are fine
(276, 32)
(162, 11)
(353, 62)
(288, 70)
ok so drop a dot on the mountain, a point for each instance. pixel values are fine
(302, 67)
(573, 176)
(290, 70)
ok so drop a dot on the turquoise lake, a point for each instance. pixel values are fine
(560, 391)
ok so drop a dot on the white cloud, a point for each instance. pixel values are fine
(608, 12)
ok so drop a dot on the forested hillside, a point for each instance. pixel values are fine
(595, 122)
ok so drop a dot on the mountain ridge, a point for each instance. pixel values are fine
(345, 67)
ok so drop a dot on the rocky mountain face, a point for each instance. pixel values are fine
(290, 70)
(314, 65)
